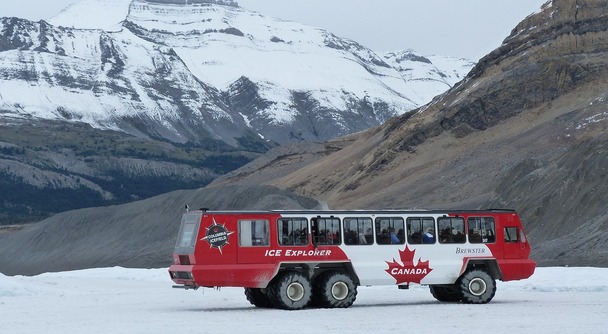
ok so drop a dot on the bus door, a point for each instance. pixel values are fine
(515, 242)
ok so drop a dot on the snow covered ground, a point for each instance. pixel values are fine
(119, 300)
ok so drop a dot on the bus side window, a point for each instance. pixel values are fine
(414, 231)
(511, 234)
(358, 231)
(293, 231)
(254, 233)
(420, 230)
(451, 230)
(482, 230)
(326, 231)
(428, 230)
(390, 230)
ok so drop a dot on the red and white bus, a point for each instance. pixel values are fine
(292, 259)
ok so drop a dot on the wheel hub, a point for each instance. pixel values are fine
(339, 290)
(477, 286)
(295, 291)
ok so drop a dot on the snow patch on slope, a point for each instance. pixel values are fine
(93, 14)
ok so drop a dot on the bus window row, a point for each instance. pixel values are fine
(365, 231)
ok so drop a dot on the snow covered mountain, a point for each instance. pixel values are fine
(191, 71)
(117, 100)
(427, 76)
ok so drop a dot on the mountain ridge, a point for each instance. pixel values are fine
(173, 37)
(167, 80)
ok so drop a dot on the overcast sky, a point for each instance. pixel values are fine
(461, 28)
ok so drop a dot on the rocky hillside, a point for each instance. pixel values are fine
(526, 129)
(50, 167)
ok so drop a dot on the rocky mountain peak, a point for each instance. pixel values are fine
(166, 69)
(562, 28)
(550, 53)
(556, 13)
(195, 2)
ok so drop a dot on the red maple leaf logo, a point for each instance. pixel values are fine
(408, 272)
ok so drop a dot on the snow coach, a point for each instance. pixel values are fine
(295, 259)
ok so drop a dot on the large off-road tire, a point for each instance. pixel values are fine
(334, 289)
(258, 297)
(445, 293)
(476, 286)
(290, 291)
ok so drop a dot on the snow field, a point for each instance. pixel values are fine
(119, 300)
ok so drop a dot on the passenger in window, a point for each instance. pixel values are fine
(368, 236)
(401, 235)
(394, 238)
(304, 236)
(488, 235)
(458, 236)
(362, 240)
(349, 237)
(445, 235)
(429, 236)
(475, 236)
(332, 238)
(297, 237)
